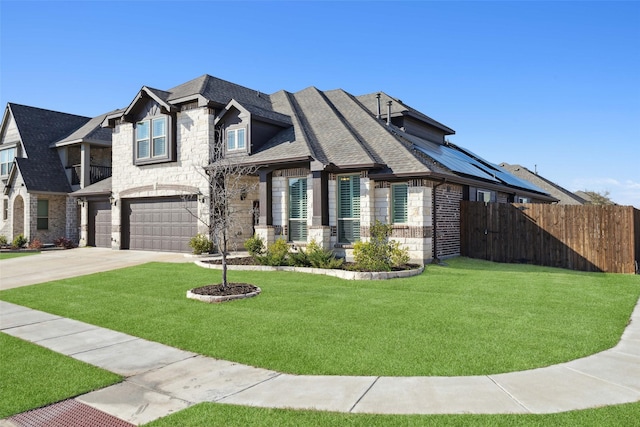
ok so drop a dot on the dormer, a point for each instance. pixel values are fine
(245, 128)
(154, 127)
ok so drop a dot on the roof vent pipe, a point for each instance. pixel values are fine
(389, 112)
(379, 115)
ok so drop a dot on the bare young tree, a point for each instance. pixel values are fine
(229, 183)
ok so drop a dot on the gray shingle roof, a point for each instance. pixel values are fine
(43, 177)
(564, 196)
(99, 188)
(92, 131)
(398, 108)
(38, 128)
(334, 128)
(220, 92)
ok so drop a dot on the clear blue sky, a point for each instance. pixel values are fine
(552, 84)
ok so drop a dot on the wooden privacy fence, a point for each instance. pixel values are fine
(587, 238)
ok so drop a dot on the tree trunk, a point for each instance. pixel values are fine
(225, 284)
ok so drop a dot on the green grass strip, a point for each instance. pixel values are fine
(212, 415)
(8, 255)
(32, 376)
(468, 318)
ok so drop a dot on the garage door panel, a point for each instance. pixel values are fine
(99, 230)
(160, 224)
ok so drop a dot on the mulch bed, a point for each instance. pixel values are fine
(349, 266)
(231, 289)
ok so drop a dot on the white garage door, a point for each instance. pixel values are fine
(162, 224)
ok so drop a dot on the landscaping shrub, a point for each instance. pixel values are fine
(3, 240)
(254, 245)
(63, 242)
(36, 244)
(276, 254)
(319, 257)
(379, 254)
(19, 241)
(200, 244)
(299, 259)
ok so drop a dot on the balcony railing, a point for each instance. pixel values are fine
(96, 173)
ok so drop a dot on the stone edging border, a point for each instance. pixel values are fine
(342, 274)
(221, 298)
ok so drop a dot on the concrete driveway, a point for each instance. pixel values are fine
(63, 264)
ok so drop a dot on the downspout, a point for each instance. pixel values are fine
(435, 260)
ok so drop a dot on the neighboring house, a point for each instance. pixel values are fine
(564, 196)
(595, 198)
(44, 156)
(329, 165)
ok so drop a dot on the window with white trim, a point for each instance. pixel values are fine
(236, 139)
(152, 142)
(483, 196)
(6, 160)
(399, 202)
(298, 209)
(348, 208)
(43, 214)
(5, 209)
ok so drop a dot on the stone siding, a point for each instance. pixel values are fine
(185, 176)
(57, 218)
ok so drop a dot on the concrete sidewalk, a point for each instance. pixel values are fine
(63, 264)
(161, 380)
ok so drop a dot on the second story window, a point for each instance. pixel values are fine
(6, 160)
(236, 139)
(151, 139)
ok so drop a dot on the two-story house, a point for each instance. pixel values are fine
(44, 156)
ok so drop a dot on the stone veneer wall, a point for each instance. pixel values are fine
(5, 224)
(448, 197)
(195, 134)
(72, 230)
(57, 218)
(242, 212)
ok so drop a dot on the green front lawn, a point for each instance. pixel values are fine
(32, 376)
(212, 415)
(7, 255)
(469, 318)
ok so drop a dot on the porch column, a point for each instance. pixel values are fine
(85, 165)
(320, 232)
(84, 223)
(320, 199)
(265, 229)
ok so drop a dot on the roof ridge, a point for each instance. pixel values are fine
(358, 137)
(310, 138)
(10, 104)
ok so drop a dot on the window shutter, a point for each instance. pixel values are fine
(348, 208)
(298, 209)
(399, 203)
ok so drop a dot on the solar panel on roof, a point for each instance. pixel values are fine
(500, 173)
(465, 162)
(456, 162)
